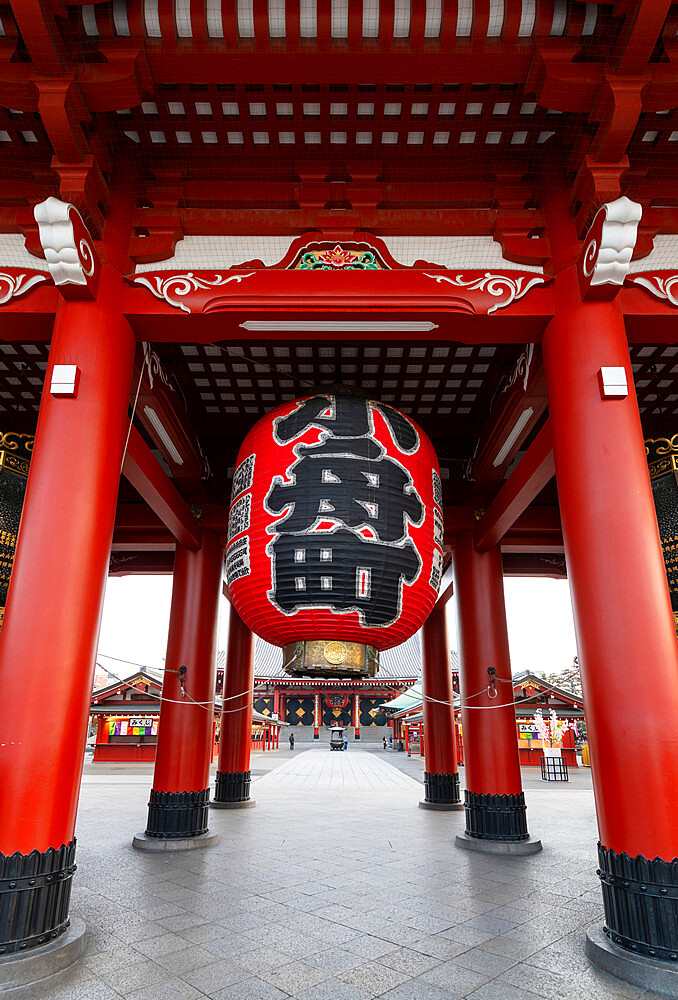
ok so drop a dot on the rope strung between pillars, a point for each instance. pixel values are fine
(187, 700)
(232, 697)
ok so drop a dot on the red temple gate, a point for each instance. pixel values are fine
(493, 253)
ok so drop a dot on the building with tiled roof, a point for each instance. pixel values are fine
(310, 704)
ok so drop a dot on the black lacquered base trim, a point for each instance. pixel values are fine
(177, 815)
(35, 890)
(441, 787)
(496, 817)
(232, 786)
(641, 903)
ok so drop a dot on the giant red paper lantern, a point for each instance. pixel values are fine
(335, 532)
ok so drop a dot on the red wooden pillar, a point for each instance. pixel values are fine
(494, 800)
(441, 779)
(233, 770)
(316, 717)
(178, 806)
(51, 626)
(623, 620)
(356, 715)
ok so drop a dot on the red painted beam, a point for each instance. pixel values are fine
(41, 36)
(536, 531)
(532, 473)
(456, 520)
(143, 471)
(639, 35)
(446, 591)
(515, 543)
(135, 540)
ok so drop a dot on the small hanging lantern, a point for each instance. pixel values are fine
(335, 532)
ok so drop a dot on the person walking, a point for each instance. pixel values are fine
(384, 742)
(345, 742)
(291, 741)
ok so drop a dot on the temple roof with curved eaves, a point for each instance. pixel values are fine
(402, 663)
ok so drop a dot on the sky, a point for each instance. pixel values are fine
(541, 632)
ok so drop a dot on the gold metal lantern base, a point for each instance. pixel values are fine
(329, 658)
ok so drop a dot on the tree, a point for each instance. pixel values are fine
(568, 680)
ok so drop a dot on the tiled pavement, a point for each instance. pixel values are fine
(335, 887)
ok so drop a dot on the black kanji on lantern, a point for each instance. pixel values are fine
(345, 416)
(350, 480)
(348, 483)
(337, 569)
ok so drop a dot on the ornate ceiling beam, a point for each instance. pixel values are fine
(161, 410)
(517, 408)
(527, 480)
(143, 471)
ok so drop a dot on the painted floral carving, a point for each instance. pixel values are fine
(339, 257)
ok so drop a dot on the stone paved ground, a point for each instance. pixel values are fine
(335, 887)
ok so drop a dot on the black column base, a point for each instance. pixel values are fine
(441, 788)
(177, 815)
(232, 786)
(496, 817)
(35, 890)
(640, 898)
(356, 735)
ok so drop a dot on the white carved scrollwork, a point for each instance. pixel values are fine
(13, 285)
(500, 286)
(606, 257)
(68, 247)
(177, 285)
(155, 367)
(522, 367)
(660, 287)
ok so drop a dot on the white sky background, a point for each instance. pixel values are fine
(541, 633)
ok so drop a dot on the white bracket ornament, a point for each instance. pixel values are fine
(609, 244)
(69, 249)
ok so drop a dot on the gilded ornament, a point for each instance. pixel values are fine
(335, 652)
